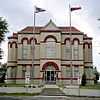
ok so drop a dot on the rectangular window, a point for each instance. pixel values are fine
(89, 55)
(26, 51)
(23, 71)
(50, 49)
(68, 72)
(67, 52)
(88, 72)
(76, 72)
(13, 74)
(76, 55)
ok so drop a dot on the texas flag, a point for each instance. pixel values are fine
(75, 8)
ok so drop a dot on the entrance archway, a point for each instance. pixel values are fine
(50, 72)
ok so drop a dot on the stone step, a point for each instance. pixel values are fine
(50, 86)
(52, 92)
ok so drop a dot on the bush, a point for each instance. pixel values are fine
(83, 82)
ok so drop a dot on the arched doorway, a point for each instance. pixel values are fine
(50, 72)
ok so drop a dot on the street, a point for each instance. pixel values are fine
(46, 98)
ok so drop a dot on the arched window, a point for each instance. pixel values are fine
(76, 50)
(14, 45)
(13, 51)
(50, 48)
(31, 41)
(25, 39)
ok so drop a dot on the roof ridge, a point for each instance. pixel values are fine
(38, 28)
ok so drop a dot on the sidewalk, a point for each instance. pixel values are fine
(19, 90)
(66, 91)
(81, 92)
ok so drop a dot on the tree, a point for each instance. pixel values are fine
(2, 75)
(3, 31)
(83, 82)
(3, 28)
(1, 53)
(3, 70)
(96, 78)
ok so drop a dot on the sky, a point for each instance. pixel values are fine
(19, 14)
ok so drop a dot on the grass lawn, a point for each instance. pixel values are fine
(97, 86)
(19, 94)
(12, 85)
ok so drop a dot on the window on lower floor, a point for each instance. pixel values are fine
(13, 72)
(68, 72)
(23, 71)
(89, 72)
(76, 71)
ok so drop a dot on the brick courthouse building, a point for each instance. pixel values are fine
(51, 55)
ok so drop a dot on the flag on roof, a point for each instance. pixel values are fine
(75, 8)
(37, 9)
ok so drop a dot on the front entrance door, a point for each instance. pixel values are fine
(50, 76)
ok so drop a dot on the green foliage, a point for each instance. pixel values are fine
(83, 82)
(3, 28)
(1, 52)
(19, 94)
(3, 31)
(96, 86)
(2, 75)
(96, 78)
(12, 85)
(4, 66)
(96, 73)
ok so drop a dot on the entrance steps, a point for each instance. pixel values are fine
(72, 86)
(50, 86)
(52, 90)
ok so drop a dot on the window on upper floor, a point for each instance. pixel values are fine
(26, 51)
(76, 50)
(50, 48)
(88, 52)
(67, 50)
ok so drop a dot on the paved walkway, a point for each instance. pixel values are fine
(52, 90)
(19, 90)
(81, 92)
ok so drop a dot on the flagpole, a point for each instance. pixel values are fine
(33, 45)
(36, 10)
(71, 66)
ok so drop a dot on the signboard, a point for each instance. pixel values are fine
(79, 81)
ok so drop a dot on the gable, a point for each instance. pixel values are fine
(50, 27)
